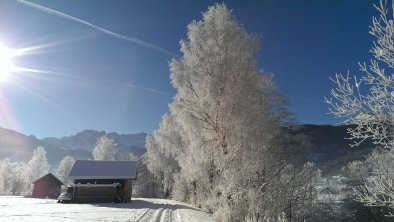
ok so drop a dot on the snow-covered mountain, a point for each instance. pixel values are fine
(87, 139)
(19, 147)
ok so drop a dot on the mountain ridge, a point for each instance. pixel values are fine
(329, 148)
(19, 147)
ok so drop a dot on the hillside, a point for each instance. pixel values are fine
(329, 148)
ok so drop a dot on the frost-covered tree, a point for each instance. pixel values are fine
(147, 184)
(38, 165)
(127, 156)
(163, 148)
(12, 177)
(104, 149)
(221, 146)
(19, 182)
(367, 101)
(64, 168)
(6, 175)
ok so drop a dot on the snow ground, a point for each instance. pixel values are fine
(139, 210)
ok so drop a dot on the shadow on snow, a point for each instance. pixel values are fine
(142, 204)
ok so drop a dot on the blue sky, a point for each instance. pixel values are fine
(96, 81)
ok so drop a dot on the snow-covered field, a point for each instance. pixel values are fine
(140, 209)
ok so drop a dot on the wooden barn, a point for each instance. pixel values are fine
(47, 186)
(102, 181)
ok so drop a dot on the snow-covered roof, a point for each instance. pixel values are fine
(102, 169)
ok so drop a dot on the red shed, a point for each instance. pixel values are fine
(47, 186)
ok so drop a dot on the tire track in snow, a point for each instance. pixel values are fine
(178, 216)
(144, 216)
(142, 210)
(162, 214)
(166, 215)
(156, 216)
(151, 215)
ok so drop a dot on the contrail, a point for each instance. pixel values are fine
(108, 32)
(147, 89)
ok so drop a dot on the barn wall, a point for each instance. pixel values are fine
(127, 191)
(46, 188)
(96, 194)
(99, 194)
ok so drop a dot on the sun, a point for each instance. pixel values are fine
(6, 64)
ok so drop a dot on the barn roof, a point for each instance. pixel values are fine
(49, 176)
(102, 169)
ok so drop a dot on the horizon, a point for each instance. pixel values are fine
(104, 66)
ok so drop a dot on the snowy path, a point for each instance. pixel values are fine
(139, 210)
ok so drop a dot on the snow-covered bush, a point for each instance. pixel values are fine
(362, 178)
(371, 180)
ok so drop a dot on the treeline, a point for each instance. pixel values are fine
(16, 177)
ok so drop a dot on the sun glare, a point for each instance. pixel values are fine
(6, 64)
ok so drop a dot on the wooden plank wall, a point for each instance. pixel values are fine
(127, 191)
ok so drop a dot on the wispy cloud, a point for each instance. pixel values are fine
(106, 31)
(147, 89)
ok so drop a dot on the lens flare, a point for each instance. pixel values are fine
(6, 64)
